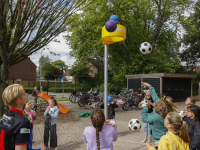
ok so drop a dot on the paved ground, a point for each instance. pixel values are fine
(70, 134)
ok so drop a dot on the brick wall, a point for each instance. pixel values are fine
(24, 70)
(93, 68)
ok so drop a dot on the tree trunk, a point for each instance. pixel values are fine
(3, 79)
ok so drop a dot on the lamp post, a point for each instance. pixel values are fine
(41, 70)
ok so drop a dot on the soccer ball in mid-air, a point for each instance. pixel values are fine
(145, 48)
(134, 125)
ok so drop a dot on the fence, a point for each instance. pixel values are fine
(37, 83)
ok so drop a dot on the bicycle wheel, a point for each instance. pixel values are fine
(125, 106)
(80, 103)
(86, 105)
(72, 98)
(136, 103)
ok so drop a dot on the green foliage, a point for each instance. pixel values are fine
(144, 20)
(195, 84)
(191, 38)
(80, 71)
(60, 89)
(47, 70)
(111, 88)
(61, 65)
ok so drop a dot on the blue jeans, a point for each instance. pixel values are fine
(147, 128)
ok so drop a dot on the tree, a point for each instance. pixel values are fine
(154, 21)
(79, 71)
(191, 38)
(43, 60)
(47, 70)
(26, 27)
(61, 65)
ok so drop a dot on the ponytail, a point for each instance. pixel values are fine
(179, 126)
(183, 133)
(98, 120)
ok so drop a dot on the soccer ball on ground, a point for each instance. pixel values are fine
(145, 48)
(134, 125)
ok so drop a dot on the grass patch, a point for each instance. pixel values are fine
(57, 99)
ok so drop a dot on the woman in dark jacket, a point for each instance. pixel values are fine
(194, 126)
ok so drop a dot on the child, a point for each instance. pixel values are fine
(31, 116)
(176, 137)
(150, 109)
(169, 99)
(99, 136)
(34, 94)
(156, 118)
(188, 102)
(111, 109)
(193, 112)
(51, 114)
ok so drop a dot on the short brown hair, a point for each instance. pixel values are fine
(164, 107)
(192, 100)
(11, 94)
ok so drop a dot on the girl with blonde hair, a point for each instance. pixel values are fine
(176, 137)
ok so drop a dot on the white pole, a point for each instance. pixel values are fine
(106, 81)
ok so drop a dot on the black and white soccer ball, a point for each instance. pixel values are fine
(134, 125)
(145, 48)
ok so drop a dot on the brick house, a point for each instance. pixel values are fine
(23, 71)
(68, 77)
(94, 66)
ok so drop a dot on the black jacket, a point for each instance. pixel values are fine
(111, 110)
(194, 134)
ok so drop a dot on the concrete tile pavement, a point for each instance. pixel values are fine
(70, 134)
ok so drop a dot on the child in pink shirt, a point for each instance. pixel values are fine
(99, 136)
(31, 114)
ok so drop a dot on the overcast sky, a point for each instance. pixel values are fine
(59, 48)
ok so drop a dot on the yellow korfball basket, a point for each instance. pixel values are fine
(113, 37)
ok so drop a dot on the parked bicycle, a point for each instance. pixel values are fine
(133, 101)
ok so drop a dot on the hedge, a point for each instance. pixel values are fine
(60, 89)
(51, 89)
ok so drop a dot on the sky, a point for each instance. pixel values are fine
(59, 48)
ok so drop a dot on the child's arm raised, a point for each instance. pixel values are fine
(152, 91)
(145, 118)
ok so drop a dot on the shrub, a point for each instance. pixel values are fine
(60, 89)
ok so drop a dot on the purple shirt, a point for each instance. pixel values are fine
(107, 135)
